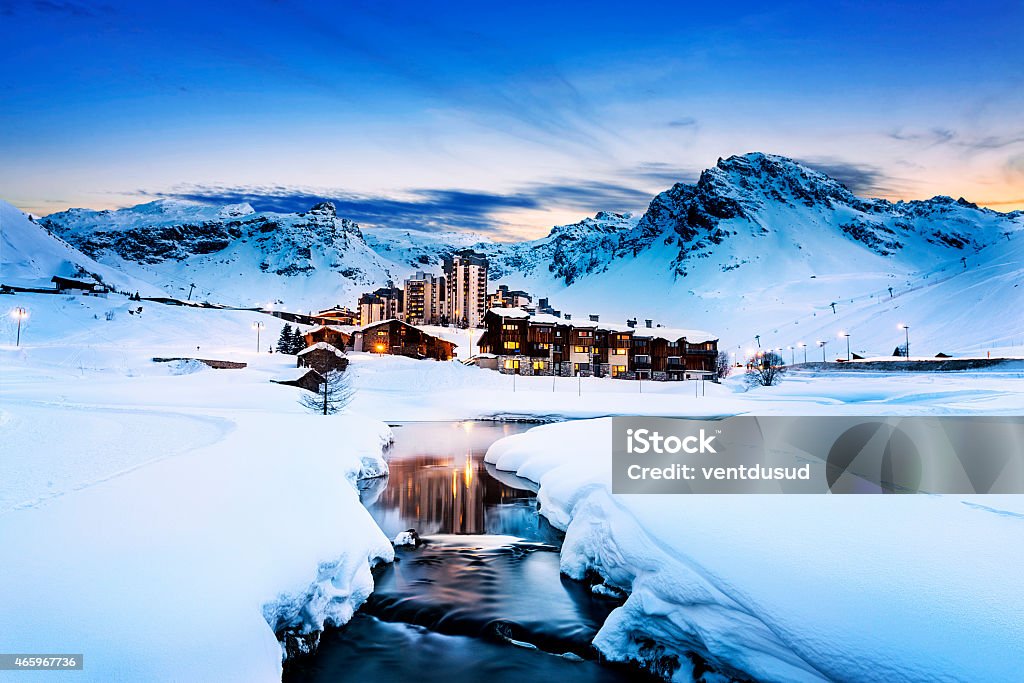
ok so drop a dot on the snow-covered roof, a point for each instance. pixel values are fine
(344, 329)
(295, 376)
(402, 322)
(547, 319)
(509, 312)
(366, 327)
(691, 336)
(672, 333)
(323, 346)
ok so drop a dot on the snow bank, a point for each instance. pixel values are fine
(165, 525)
(786, 588)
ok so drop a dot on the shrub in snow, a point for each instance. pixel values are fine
(335, 393)
(722, 365)
(767, 371)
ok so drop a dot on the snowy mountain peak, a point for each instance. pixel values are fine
(324, 209)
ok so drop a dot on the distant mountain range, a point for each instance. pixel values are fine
(758, 244)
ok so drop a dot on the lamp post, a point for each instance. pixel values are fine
(804, 347)
(906, 328)
(257, 325)
(847, 335)
(822, 343)
(792, 355)
(19, 314)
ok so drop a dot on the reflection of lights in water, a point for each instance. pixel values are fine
(469, 472)
(467, 426)
(455, 488)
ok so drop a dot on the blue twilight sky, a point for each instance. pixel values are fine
(499, 117)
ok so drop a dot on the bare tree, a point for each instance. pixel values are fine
(766, 371)
(722, 365)
(335, 393)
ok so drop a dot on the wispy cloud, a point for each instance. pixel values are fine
(427, 209)
(660, 173)
(861, 179)
(944, 136)
(684, 122)
(64, 8)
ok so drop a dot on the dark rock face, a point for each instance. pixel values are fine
(283, 244)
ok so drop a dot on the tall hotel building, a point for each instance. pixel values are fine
(466, 282)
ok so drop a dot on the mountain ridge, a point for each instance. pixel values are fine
(757, 236)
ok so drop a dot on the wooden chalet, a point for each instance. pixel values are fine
(399, 338)
(336, 336)
(322, 357)
(304, 378)
(339, 315)
(64, 284)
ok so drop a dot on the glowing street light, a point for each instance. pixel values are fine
(906, 328)
(257, 325)
(19, 314)
(379, 348)
(847, 335)
(822, 343)
(804, 347)
(792, 355)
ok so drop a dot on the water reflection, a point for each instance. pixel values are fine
(439, 484)
(483, 597)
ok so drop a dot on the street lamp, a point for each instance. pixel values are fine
(257, 325)
(804, 347)
(822, 343)
(906, 328)
(19, 314)
(792, 355)
(847, 335)
(380, 349)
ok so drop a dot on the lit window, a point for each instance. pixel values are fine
(511, 346)
(538, 365)
(511, 364)
(620, 352)
(579, 349)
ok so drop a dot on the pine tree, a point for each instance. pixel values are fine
(284, 342)
(298, 341)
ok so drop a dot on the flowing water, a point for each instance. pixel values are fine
(482, 598)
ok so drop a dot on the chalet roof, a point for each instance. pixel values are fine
(673, 333)
(322, 346)
(366, 327)
(296, 375)
(670, 333)
(509, 312)
(344, 329)
(546, 319)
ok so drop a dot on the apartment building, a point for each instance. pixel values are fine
(465, 275)
(550, 345)
(425, 298)
(385, 303)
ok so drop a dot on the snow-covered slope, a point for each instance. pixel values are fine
(233, 254)
(762, 245)
(759, 245)
(30, 256)
(785, 588)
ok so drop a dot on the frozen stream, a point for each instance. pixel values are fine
(482, 598)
